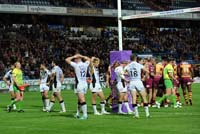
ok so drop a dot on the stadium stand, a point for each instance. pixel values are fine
(33, 44)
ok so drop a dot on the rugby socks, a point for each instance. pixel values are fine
(127, 107)
(135, 107)
(14, 106)
(50, 105)
(43, 102)
(178, 99)
(185, 97)
(62, 104)
(162, 98)
(46, 103)
(84, 108)
(120, 107)
(190, 97)
(94, 106)
(174, 99)
(102, 107)
(78, 109)
(146, 109)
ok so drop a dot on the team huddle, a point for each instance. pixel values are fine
(140, 77)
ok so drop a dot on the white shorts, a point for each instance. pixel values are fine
(81, 88)
(44, 87)
(57, 87)
(121, 88)
(136, 85)
(96, 89)
(11, 88)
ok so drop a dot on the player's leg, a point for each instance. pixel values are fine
(12, 95)
(81, 97)
(189, 88)
(52, 102)
(94, 105)
(61, 101)
(169, 86)
(134, 102)
(183, 86)
(144, 98)
(120, 101)
(46, 98)
(127, 104)
(102, 103)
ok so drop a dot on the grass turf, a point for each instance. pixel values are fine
(185, 120)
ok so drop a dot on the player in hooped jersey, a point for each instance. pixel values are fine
(81, 69)
(149, 80)
(44, 85)
(122, 87)
(9, 81)
(134, 70)
(186, 73)
(95, 86)
(57, 77)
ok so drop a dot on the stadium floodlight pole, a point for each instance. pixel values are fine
(119, 6)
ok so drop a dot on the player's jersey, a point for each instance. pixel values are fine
(58, 74)
(17, 73)
(168, 69)
(159, 69)
(185, 69)
(134, 70)
(95, 75)
(81, 70)
(175, 71)
(119, 71)
(44, 74)
(8, 76)
(151, 69)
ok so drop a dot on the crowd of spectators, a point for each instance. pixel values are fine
(38, 43)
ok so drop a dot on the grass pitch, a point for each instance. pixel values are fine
(185, 120)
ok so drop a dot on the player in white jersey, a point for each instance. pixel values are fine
(122, 87)
(9, 81)
(44, 85)
(134, 71)
(81, 69)
(57, 77)
(95, 87)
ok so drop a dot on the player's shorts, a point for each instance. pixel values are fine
(186, 81)
(81, 88)
(149, 83)
(176, 83)
(121, 88)
(156, 81)
(44, 87)
(136, 85)
(11, 88)
(57, 87)
(168, 84)
(96, 89)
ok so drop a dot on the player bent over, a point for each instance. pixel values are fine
(168, 75)
(9, 81)
(44, 88)
(58, 77)
(122, 87)
(17, 77)
(95, 86)
(81, 69)
(134, 70)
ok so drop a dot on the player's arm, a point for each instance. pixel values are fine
(62, 78)
(123, 76)
(91, 66)
(84, 57)
(69, 59)
(171, 75)
(15, 80)
(5, 80)
(192, 72)
(108, 74)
